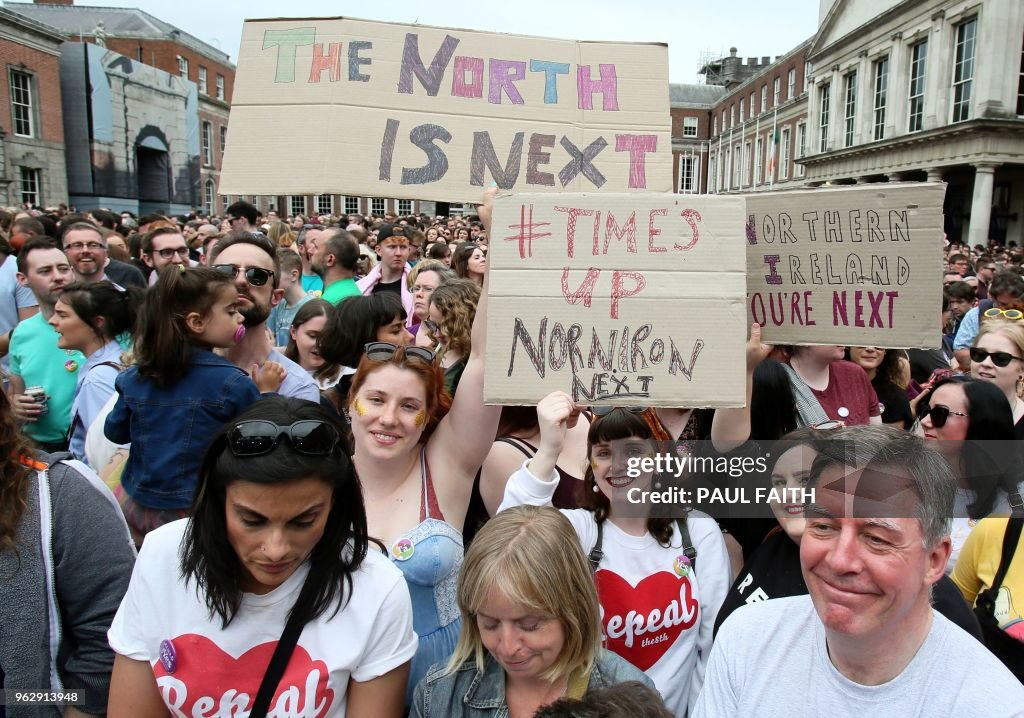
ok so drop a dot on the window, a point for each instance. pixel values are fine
(791, 84)
(963, 69)
(736, 169)
(784, 155)
(753, 99)
(687, 174)
(377, 205)
(296, 204)
(776, 91)
(183, 67)
(764, 97)
(824, 102)
(404, 207)
(918, 55)
(747, 149)
(220, 87)
(758, 161)
(21, 103)
(351, 205)
(30, 186)
(1022, 80)
(742, 108)
(689, 127)
(850, 109)
(801, 146)
(209, 196)
(807, 76)
(223, 140)
(202, 81)
(881, 85)
(714, 126)
(732, 114)
(207, 143)
(325, 204)
(1020, 85)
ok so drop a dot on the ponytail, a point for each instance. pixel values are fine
(163, 343)
(113, 303)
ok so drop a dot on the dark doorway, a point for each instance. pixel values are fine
(154, 174)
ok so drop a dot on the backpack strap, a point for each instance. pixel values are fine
(596, 554)
(689, 550)
(1010, 540)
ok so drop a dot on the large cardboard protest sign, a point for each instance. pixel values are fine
(345, 106)
(851, 265)
(630, 300)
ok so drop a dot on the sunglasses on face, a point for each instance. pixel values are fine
(256, 276)
(384, 351)
(1000, 359)
(938, 413)
(1014, 315)
(258, 437)
(171, 251)
(605, 410)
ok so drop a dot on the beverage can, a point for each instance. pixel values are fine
(38, 395)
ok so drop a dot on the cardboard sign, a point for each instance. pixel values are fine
(851, 265)
(622, 299)
(342, 106)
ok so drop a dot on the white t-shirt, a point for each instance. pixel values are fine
(770, 659)
(655, 612)
(218, 670)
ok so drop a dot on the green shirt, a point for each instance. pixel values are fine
(37, 360)
(337, 291)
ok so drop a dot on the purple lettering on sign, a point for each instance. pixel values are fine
(607, 86)
(503, 76)
(771, 260)
(483, 154)
(412, 64)
(582, 162)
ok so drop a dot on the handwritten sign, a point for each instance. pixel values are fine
(850, 265)
(355, 107)
(630, 300)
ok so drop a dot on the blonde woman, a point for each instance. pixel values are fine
(531, 630)
(998, 357)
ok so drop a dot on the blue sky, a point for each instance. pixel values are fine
(691, 28)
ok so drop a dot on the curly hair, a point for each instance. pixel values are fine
(456, 300)
(14, 476)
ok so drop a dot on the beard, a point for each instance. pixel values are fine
(255, 315)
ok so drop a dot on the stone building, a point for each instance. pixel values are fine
(145, 39)
(32, 169)
(932, 89)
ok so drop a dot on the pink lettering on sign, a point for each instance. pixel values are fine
(620, 291)
(526, 234)
(474, 67)
(570, 228)
(607, 86)
(638, 146)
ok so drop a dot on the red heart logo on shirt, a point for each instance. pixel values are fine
(208, 681)
(642, 622)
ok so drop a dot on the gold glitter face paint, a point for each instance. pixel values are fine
(359, 408)
(421, 418)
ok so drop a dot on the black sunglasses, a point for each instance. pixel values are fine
(258, 436)
(1000, 359)
(939, 414)
(256, 276)
(383, 351)
(605, 409)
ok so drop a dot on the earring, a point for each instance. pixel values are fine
(595, 489)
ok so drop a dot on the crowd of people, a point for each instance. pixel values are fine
(247, 469)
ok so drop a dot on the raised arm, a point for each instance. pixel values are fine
(465, 435)
(731, 427)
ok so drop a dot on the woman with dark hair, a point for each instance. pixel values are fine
(89, 317)
(889, 372)
(970, 424)
(65, 559)
(304, 342)
(660, 568)
(469, 261)
(276, 549)
(441, 252)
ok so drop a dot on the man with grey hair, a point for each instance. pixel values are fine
(866, 640)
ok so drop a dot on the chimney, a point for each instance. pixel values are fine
(766, 60)
(732, 52)
(53, 2)
(751, 61)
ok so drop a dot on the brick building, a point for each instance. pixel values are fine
(148, 40)
(32, 169)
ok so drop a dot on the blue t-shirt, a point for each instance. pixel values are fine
(312, 283)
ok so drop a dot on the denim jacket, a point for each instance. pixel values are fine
(469, 693)
(170, 428)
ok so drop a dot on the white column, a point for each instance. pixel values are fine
(896, 94)
(981, 204)
(935, 174)
(938, 74)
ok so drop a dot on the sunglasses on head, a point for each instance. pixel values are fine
(1014, 315)
(256, 276)
(384, 351)
(258, 436)
(1000, 359)
(938, 413)
(605, 409)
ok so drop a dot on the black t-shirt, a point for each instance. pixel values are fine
(773, 571)
(124, 274)
(895, 405)
(395, 286)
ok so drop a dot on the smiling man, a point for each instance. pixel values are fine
(867, 640)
